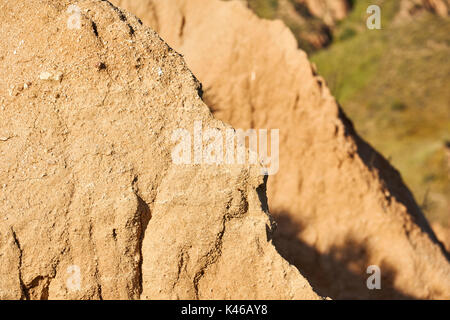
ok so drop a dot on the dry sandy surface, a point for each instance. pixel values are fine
(339, 204)
(92, 205)
(88, 186)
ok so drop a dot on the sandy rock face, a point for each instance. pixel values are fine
(443, 234)
(339, 204)
(91, 204)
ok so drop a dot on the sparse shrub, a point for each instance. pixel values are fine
(266, 9)
(398, 106)
(347, 33)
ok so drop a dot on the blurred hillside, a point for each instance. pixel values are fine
(393, 83)
(311, 21)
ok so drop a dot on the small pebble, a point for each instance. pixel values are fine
(45, 75)
(48, 76)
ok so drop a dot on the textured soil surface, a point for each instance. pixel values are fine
(92, 205)
(88, 184)
(339, 204)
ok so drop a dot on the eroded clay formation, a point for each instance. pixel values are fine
(91, 205)
(340, 206)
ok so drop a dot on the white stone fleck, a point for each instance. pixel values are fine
(45, 75)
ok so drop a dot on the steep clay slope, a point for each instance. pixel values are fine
(91, 204)
(340, 206)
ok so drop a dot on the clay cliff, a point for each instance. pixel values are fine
(340, 206)
(329, 11)
(443, 234)
(91, 204)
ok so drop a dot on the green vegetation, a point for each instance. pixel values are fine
(295, 15)
(394, 85)
(266, 9)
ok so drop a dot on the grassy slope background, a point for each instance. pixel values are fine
(394, 84)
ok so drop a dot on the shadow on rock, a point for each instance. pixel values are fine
(339, 273)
